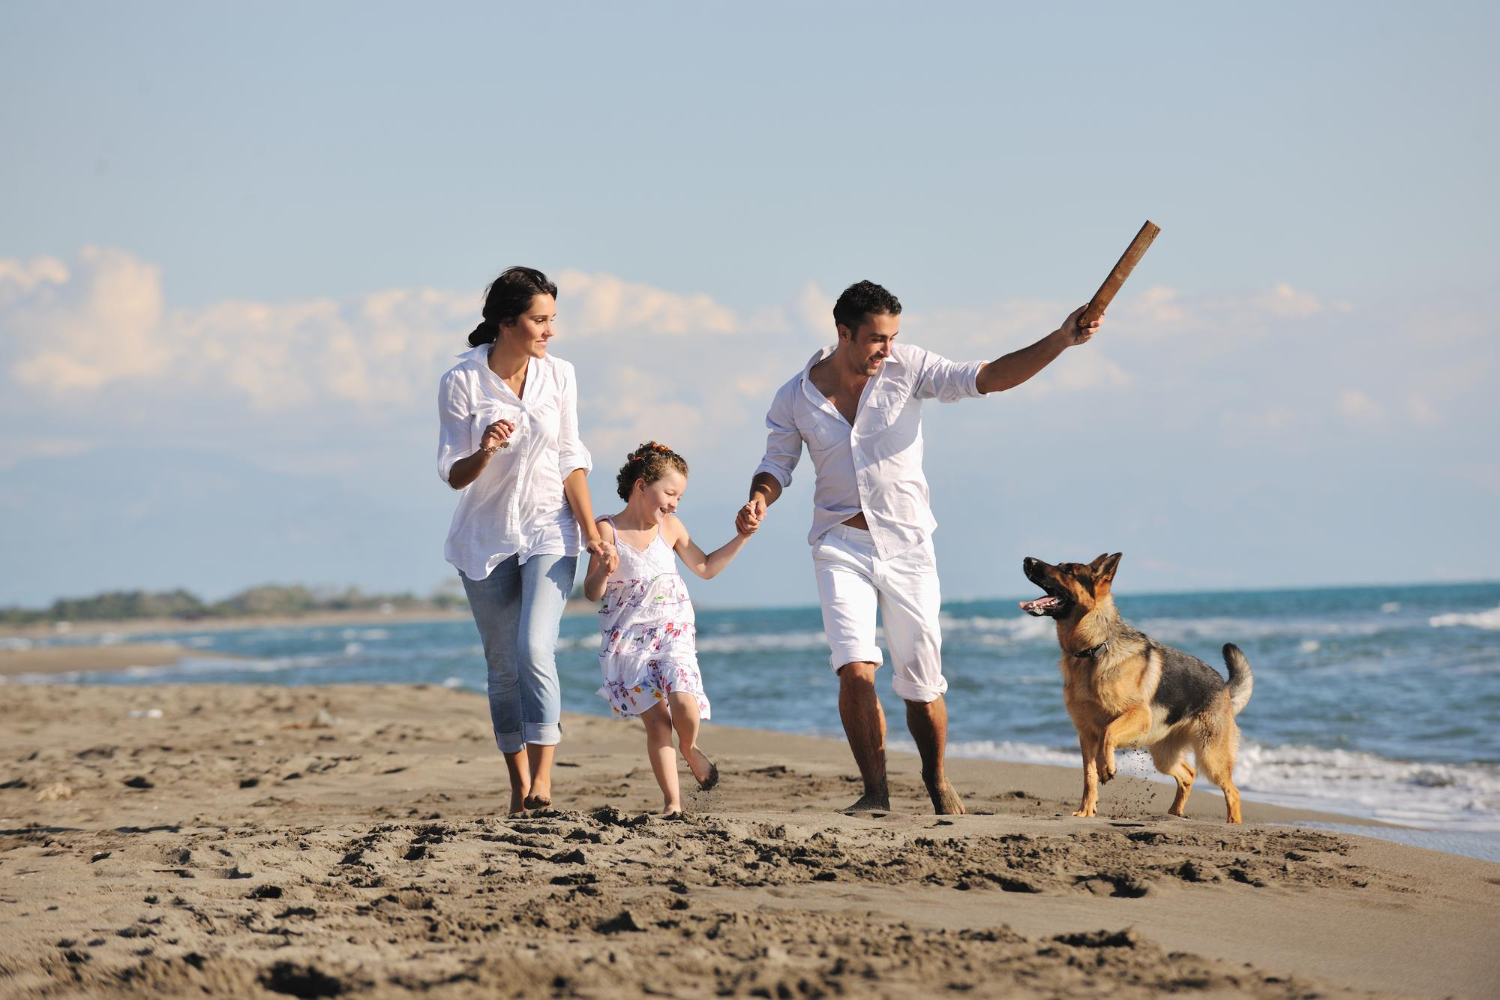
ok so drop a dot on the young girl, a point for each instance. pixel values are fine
(648, 654)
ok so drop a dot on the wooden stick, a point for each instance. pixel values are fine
(1132, 255)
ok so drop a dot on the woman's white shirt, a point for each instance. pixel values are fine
(517, 505)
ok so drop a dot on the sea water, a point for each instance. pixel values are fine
(1376, 702)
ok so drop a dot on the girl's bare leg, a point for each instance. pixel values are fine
(520, 780)
(685, 719)
(663, 757)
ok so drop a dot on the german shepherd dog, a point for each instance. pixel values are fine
(1124, 690)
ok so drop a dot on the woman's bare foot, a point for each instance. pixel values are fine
(518, 801)
(705, 771)
(671, 811)
(537, 802)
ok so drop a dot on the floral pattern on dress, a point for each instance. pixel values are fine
(647, 650)
(658, 679)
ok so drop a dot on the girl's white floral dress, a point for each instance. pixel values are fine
(648, 648)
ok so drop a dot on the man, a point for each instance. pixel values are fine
(857, 406)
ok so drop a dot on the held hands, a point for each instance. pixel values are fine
(497, 436)
(605, 554)
(1074, 334)
(748, 519)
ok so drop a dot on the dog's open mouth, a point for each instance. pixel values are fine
(1051, 606)
(1041, 605)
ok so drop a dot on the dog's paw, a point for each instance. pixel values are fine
(1085, 812)
(1107, 769)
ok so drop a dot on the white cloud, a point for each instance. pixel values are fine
(1360, 408)
(1420, 412)
(1286, 301)
(660, 362)
(614, 306)
(96, 323)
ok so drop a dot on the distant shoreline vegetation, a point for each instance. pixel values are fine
(256, 602)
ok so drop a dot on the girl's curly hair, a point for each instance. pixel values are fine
(650, 462)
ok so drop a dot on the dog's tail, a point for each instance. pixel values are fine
(1241, 682)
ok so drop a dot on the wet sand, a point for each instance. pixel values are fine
(69, 659)
(352, 841)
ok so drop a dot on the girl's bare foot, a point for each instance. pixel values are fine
(671, 812)
(518, 801)
(705, 771)
(537, 802)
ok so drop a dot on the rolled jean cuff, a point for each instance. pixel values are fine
(510, 742)
(909, 690)
(842, 656)
(545, 734)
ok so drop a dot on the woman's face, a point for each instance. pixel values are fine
(660, 498)
(533, 328)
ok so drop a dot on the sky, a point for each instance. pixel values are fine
(240, 244)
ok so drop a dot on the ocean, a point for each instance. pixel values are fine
(1374, 702)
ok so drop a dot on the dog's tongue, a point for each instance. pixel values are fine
(1039, 605)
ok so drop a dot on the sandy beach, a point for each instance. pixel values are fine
(351, 841)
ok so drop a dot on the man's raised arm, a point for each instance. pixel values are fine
(1011, 370)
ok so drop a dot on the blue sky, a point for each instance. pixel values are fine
(239, 245)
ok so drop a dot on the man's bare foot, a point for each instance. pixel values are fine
(877, 801)
(945, 801)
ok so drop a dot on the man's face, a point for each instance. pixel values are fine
(864, 350)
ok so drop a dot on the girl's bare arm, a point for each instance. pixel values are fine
(706, 566)
(600, 566)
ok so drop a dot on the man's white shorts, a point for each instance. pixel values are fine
(853, 582)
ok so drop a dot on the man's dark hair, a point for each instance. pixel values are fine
(861, 298)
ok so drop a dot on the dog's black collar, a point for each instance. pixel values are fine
(1103, 647)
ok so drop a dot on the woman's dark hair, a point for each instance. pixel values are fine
(507, 298)
(860, 299)
(650, 462)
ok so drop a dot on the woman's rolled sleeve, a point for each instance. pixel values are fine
(571, 453)
(454, 435)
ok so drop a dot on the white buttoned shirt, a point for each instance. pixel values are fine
(875, 464)
(516, 506)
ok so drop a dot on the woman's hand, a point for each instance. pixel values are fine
(497, 436)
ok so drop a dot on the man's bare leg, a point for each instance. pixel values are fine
(929, 727)
(864, 725)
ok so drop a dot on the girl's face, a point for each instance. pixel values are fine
(656, 500)
(533, 328)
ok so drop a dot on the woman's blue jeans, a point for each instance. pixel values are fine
(518, 609)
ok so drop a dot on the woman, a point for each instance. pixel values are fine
(509, 441)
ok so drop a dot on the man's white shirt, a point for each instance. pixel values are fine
(517, 505)
(875, 464)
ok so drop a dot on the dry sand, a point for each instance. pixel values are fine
(351, 841)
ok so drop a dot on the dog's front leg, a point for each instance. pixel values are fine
(1132, 724)
(1089, 744)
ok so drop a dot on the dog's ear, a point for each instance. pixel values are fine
(1104, 568)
